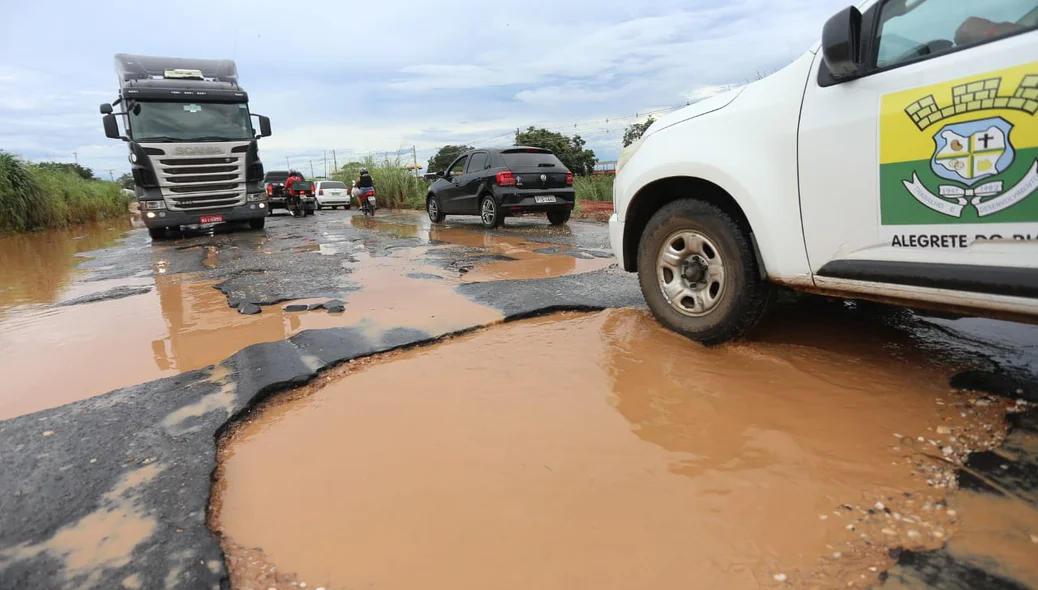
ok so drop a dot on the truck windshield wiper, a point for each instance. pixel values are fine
(157, 139)
(215, 138)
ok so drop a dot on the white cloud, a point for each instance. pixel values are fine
(370, 77)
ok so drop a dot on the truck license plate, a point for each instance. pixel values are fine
(210, 219)
(547, 199)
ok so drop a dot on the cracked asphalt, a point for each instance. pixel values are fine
(110, 489)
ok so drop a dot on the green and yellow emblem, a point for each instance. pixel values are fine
(961, 152)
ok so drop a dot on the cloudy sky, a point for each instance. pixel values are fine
(383, 76)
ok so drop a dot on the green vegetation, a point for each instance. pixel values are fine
(395, 186)
(34, 196)
(570, 150)
(635, 131)
(594, 188)
(445, 156)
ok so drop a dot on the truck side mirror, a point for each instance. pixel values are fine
(841, 43)
(264, 123)
(106, 109)
(111, 127)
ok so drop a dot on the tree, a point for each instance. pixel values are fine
(445, 156)
(126, 181)
(636, 131)
(82, 171)
(570, 150)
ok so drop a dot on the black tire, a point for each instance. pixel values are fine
(157, 233)
(558, 217)
(490, 212)
(258, 223)
(432, 207)
(741, 297)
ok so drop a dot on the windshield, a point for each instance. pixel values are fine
(178, 121)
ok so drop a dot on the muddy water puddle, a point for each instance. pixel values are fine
(598, 451)
(52, 355)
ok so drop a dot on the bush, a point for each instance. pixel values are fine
(594, 188)
(33, 197)
(395, 186)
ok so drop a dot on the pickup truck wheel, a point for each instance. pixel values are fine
(258, 223)
(699, 275)
(490, 213)
(558, 217)
(157, 233)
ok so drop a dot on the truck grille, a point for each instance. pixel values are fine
(202, 182)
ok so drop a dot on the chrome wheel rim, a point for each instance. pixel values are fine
(690, 273)
(489, 211)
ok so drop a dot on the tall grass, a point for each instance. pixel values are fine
(594, 188)
(395, 186)
(34, 198)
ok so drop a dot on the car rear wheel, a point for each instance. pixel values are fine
(558, 217)
(490, 213)
(157, 233)
(433, 207)
(699, 275)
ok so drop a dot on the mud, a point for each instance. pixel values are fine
(108, 333)
(490, 462)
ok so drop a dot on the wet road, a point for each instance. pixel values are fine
(571, 450)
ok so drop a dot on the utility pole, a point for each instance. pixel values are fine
(326, 163)
(111, 174)
(75, 156)
(311, 168)
(414, 155)
(287, 165)
(335, 162)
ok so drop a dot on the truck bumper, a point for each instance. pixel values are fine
(164, 218)
(616, 241)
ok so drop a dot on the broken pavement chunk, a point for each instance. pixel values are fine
(249, 309)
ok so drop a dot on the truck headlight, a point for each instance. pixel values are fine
(627, 152)
(255, 198)
(152, 205)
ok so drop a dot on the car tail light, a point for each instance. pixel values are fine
(505, 179)
(270, 189)
(320, 192)
(569, 178)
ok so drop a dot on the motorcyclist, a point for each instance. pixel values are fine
(293, 176)
(364, 185)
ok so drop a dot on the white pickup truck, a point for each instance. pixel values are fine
(896, 161)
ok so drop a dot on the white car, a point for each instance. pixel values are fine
(895, 161)
(332, 193)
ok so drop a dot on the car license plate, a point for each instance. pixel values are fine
(210, 219)
(547, 199)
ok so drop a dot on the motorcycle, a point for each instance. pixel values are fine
(366, 199)
(300, 200)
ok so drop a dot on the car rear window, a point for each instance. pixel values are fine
(524, 159)
(332, 185)
(276, 177)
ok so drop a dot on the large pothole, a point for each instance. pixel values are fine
(602, 451)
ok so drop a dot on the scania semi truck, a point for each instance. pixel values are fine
(193, 148)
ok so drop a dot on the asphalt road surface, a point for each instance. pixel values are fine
(173, 416)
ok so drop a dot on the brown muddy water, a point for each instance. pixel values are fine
(50, 356)
(601, 451)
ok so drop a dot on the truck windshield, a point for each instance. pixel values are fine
(178, 121)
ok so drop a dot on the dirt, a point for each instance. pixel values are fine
(491, 462)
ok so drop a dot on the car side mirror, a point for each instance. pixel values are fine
(441, 173)
(111, 127)
(841, 43)
(106, 109)
(264, 123)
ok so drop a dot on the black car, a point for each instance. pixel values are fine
(500, 182)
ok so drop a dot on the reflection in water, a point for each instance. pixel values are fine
(35, 267)
(581, 451)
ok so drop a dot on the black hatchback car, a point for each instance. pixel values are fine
(500, 182)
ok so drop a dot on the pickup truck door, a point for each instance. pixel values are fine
(921, 173)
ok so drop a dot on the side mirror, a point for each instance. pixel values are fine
(264, 126)
(441, 173)
(106, 109)
(111, 127)
(841, 43)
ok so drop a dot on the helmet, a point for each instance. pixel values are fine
(363, 170)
